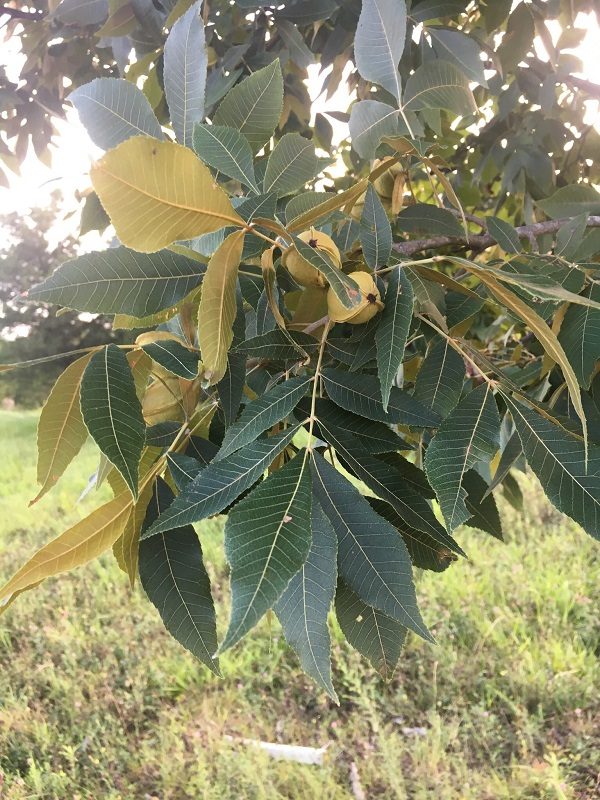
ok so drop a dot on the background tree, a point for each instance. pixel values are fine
(330, 353)
(31, 331)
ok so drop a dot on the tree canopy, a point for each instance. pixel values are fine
(347, 348)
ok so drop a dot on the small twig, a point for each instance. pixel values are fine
(470, 217)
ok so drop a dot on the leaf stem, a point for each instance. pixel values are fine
(453, 343)
(313, 402)
(252, 229)
(433, 260)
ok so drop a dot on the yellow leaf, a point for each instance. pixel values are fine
(546, 337)
(218, 306)
(147, 468)
(84, 541)
(126, 548)
(140, 365)
(163, 401)
(61, 429)
(157, 336)
(159, 192)
(344, 199)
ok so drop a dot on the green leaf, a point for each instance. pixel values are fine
(379, 43)
(185, 66)
(183, 469)
(267, 540)
(360, 394)
(112, 412)
(86, 540)
(112, 110)
(432, 9)
(291, 165)
(61, 429)
(439, 84)
(227, 150)
(303, 12)
(231, 387)
(504, 234)
(218, 306)
(569, 201)
(470, 434)
(392, 331)
(440, 380)
(81, 12)
(304, 606)
(149, 209)
(376, 636)
(391, 485)
(253, 107)
(222, 482)
(396, 486)
(174, 357)
(174, 578)
(570, 236)
(580, 337)
(369, 122)
(375, 231)
(558, 460)
(120, 281)
(461, 50)
(278, 345)
(261, 414)
(300, 54)
(429, 219)
(426, 552)
(482, 506)
(511, 452)
(372, 558)
(344, 287)
(93, 216)
(375, 437)
(518, 38)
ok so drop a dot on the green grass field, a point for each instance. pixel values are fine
(97, 702)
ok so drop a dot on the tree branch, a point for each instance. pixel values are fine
(482, 241)
(17, 13)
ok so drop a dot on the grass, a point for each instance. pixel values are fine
(96, 701)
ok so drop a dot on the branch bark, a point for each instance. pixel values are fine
(484, 240)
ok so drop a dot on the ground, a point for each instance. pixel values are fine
(98, 703)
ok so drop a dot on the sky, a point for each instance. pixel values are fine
(73, 151)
